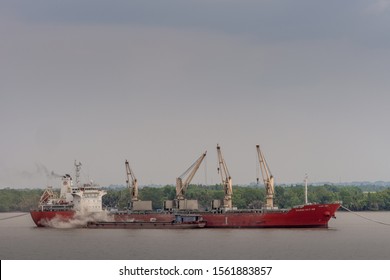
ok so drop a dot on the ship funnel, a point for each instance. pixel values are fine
(66, 187)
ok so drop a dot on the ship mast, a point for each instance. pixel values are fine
(306, 189)
(226, 179)
(181, 186)
(268, 179)
(133, 186)
(78, 169)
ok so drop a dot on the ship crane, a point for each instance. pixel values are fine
(268, 179)
(131, 182)
(182, 182)
(226, 179)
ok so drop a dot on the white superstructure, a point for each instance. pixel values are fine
(84, 198)
(88, 198)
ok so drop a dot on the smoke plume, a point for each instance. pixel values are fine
(43, 170)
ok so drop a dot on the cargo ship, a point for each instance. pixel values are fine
(86, 200)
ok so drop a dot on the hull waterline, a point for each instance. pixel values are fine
(145, 225)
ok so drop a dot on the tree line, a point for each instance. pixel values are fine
(251, 197)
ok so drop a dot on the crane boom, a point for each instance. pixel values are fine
(133, 186)
(226, 179)
(268, 179)
(181, 187)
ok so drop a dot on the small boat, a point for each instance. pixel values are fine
(182, 221)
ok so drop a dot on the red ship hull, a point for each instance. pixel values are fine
(43, 218)
(311, 215)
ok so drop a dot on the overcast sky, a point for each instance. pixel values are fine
(159, 82)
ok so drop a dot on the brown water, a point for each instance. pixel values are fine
(348, 237)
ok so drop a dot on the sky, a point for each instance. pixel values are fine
(160, 82)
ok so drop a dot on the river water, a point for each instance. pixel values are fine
(349, 237)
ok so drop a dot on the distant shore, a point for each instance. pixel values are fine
(355, 198)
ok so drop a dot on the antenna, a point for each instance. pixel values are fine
(257, 167)
(78, 169)
(306, 188)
